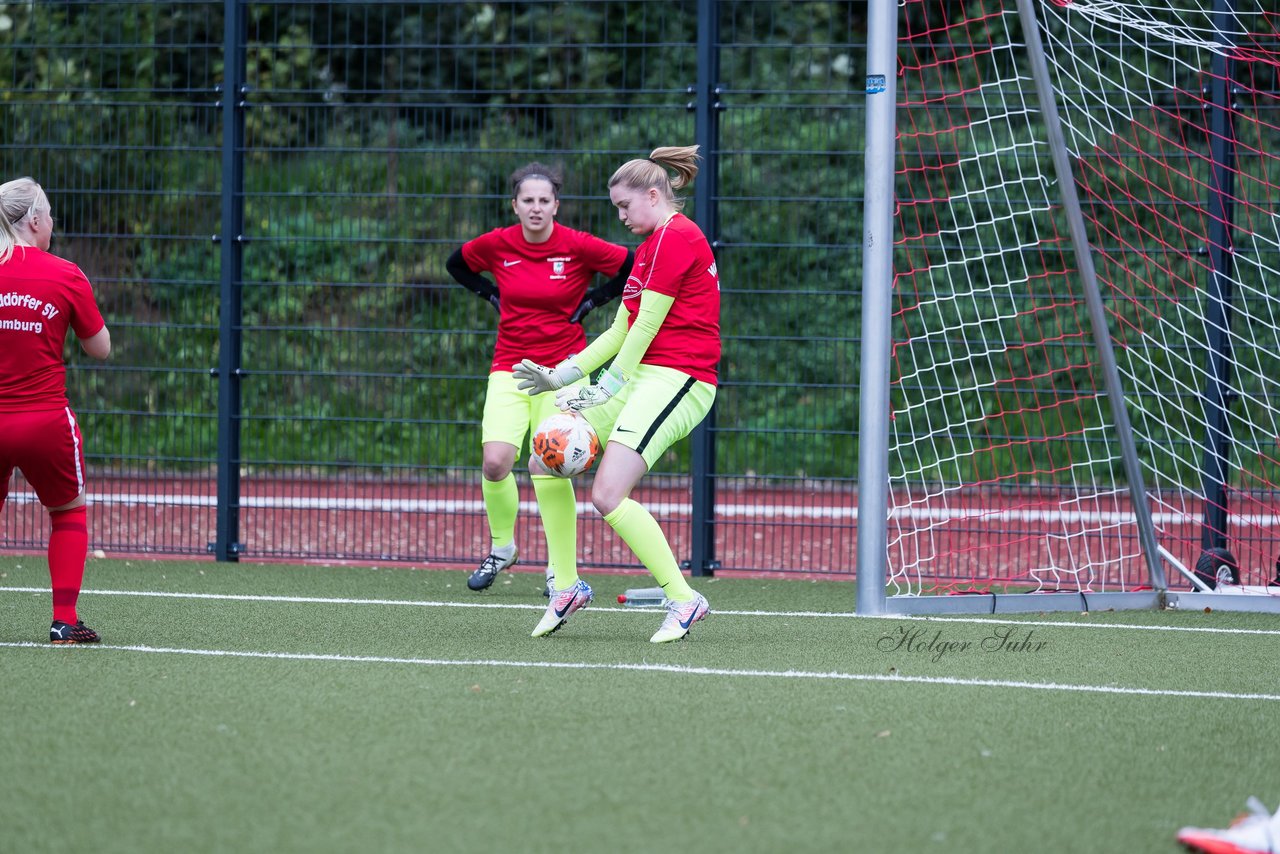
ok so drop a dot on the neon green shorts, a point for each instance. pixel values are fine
(656, 409)
(511, 415)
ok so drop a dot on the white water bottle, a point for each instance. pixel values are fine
(642, 597)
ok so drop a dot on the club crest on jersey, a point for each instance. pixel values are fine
(557, 266)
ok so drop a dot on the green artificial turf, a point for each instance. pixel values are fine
(410, 714)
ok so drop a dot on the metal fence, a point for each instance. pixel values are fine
(264, 195)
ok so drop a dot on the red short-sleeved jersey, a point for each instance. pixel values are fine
(539, 286)
(676, 260)
(41, 296)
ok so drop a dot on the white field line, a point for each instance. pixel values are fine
(431, 505)
(835, 676)
(974, 515)
(609, 609)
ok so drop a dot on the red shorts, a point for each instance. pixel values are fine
(47, 447)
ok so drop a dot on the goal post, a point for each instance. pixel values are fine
(1055, 413)
(877, 305)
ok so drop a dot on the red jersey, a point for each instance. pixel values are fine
(539, 286)
(676, 260)
(41, 296)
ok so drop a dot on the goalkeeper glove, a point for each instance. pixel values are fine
(535, 379)
(584, 308)
(584, 397)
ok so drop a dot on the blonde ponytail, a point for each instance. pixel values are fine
(682, 159)
(651, 172)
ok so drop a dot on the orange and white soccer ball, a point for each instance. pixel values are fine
(565, 445)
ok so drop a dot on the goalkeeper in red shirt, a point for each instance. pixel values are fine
(540, 271)
(41, 297)
(665, 346)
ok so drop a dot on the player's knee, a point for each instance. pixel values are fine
(604, 499)
(496, 469)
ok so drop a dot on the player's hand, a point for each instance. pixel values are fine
(584, 308)
(535, 379)
(583, 397)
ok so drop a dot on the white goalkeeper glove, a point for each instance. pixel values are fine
(535, 379)
(583, 397)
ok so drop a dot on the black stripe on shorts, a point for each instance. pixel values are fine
(666, 412)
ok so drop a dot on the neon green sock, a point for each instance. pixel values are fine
(642, 533)
(501, 504)
(559, 511)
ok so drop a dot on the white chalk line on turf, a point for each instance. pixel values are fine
(302, 600)
(1213, 630)
(680, 669)
(413, 603)
(834, 511)
(608, 609)
(839, 508)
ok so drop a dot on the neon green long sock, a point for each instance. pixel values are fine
(559, 512)
(642, 533)
(501, 504)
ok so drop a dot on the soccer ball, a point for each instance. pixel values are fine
(565, 445)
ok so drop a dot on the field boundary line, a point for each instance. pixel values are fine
(440, 505)
(677, 669)
(833, 511)
(1213, 630)
(609, 609)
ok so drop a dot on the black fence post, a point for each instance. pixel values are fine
(227, 545)
(1218, 397)
(706, 104)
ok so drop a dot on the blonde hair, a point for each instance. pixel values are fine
(651, 172)
(18, 200)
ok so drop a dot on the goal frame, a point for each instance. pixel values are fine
(877, 342)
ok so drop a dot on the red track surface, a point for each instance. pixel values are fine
(759, 530)
(803, 530)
